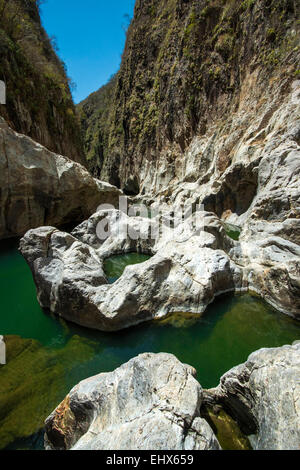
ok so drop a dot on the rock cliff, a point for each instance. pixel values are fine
(39, 102)
(199, 85)
(205, 111)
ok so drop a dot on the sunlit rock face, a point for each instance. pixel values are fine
(187, 270)
(39, 187)
(259, 192)
(189, 267)
(151, 403)
(154, 402)
(263, 395)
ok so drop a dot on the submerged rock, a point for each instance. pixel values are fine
(151, 403)
(2, 351)
(263, 395)
(39, 187)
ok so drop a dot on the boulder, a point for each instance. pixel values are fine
(259, 192)
(263, 395)
(39, 187)
(151, 403)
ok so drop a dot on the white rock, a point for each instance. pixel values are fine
(264, 396)
(39, 187)
(151, 403)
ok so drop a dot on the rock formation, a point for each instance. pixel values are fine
(263, 395)
(154, 402)
(216, 125)
(39, 103)
(39, 187)
(200, 87)
(181, 276)
(2, 351)
(32, 383)
(151, 403)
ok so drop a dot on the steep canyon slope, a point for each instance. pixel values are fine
(198, 79)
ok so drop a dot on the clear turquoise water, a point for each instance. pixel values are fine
(230, 330)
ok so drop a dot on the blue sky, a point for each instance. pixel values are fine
(90, 38)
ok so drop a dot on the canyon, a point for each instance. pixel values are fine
(203, 114)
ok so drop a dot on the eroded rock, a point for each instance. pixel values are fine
(263, 395)
(151, 403)
(39, 187)
(186, 272)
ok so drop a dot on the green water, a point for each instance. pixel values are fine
(114, 265)
(49, 356)
(233, 231)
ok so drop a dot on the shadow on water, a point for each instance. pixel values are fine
(47, 356)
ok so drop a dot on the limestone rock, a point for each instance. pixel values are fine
(259, 192)
(39, 187)
(186, 272)
(2, 351)
(264, 396)
(151, 403)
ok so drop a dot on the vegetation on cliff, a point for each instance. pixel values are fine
(93, 116)
(182, 69)
(39, 101)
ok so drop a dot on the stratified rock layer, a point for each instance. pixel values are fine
(151, 403)
(39, 187)
(264, 396)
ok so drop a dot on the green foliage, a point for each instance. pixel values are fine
(38, 89)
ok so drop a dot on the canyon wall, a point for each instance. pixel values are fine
(198, 79)
(39, 102)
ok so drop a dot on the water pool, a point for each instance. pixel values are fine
(114, 266)
(48, 356)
